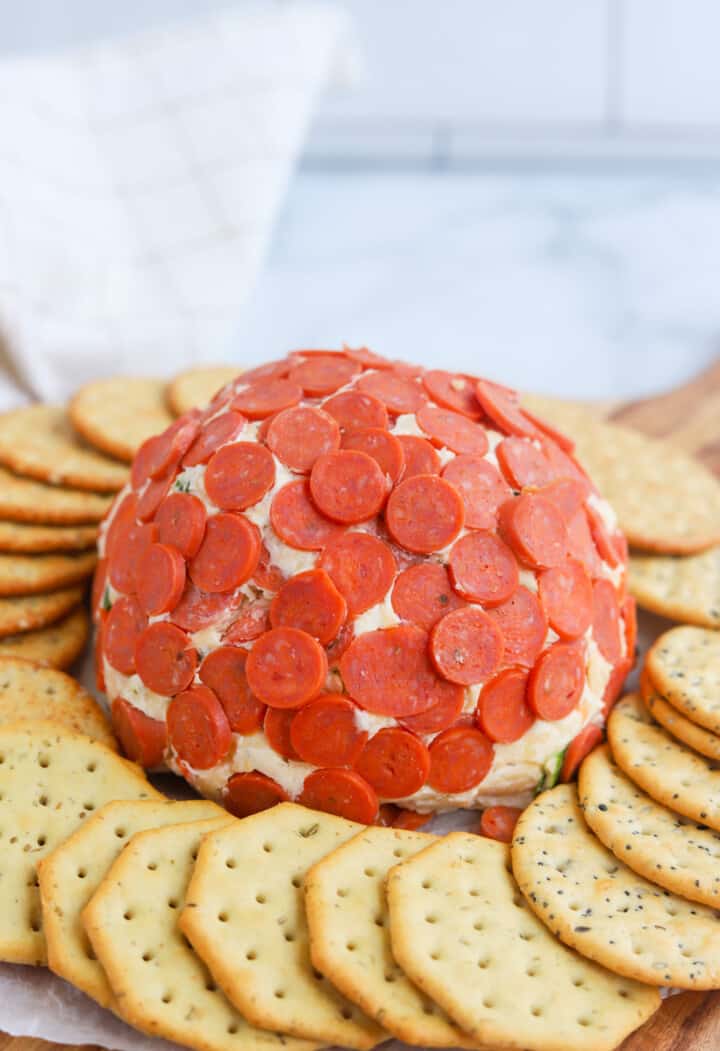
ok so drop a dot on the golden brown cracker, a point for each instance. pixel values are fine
(116, 415)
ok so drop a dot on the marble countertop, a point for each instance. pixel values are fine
(576, 283)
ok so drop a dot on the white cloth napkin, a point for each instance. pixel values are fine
(139, 181)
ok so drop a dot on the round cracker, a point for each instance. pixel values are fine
(29, 612)
(57, 646)
(194, 388)
(32, 574)
(29, 691)
(26, 539)
(37, 441)
(597, 905)
(116, 415)
(703, 741)
(685, 589)
(684, 665)
(25, 500)
(665, 501)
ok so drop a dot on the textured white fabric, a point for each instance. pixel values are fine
(139, 180)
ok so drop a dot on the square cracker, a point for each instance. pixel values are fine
(652, 840)
(593, 902)
(684, 665)
(160, 985)
(245, 918)
(50, 781)
(73, 872)
(462, 931)
(681, 588)
(350, 941)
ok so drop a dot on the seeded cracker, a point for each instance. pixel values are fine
(194, 388)
(50, 780)
(73, 872)
(117, 415)
(56, 646)
(245, 918)
(29, 612)
(653, 841)
(350, 939)
(461, 930)
(684, 666)
(25, 500)
(681, 588)
(677, 724)
(597, 905)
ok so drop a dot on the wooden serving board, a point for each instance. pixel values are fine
(689, 417)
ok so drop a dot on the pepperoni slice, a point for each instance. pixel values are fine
(568, 495)
(153, 494)
(127, 551)
(362, 568)
(252, 620)
(198, 728)
(418, 455)
(566, 593)
(498, 822)
(123, 516)
(424, 514)
(395, 762)
(601, 538)
(399, 394)
(580, 747)
(466, 646)
(327, 731)
(297, 521)
(615, 685)
(443, 714)
(453, 391)
(340, 792)
(523, 625)
(556, 682)
(580, 543)
(503, 407)
(522, 464)
(483, 569)
(223, 671)
(423, 593)
(98, 653)
(98, 589)
(123, 627)
(180, 520)
(224, 428)
(368, 358)
(299, 435)
(353, 409)
(198, 609)
(606, 620)
(323, 374)
(535, 530)
(162, 452)
(557, 437)
(481, 487)
(265, 397)
(389, 672)
(410, 820)
(268, 371)
(277, 724)
(383, 447)
(502, 712)
(267, 576)
(142, 739)
(460, 758)
(228, 555)
(164, 658)
(348, 486)
(286, 668)
(160, 579)
(450, 430)
(566, 466)
(247, 794)
(311, 602)
(629, 616)
(239, 475)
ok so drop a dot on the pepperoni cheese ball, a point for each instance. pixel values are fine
(352, 582)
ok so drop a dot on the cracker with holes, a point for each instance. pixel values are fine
(160, 985)
(677, 724)
(116, 415)
(652, 840)
(350, 940)
(245, 918)
(685, 589)
(29, 691)
(665, 768)
(194, 388)
(57, 646)
(461, 930)
(593, 902)
(684, 666)
(51, 779)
